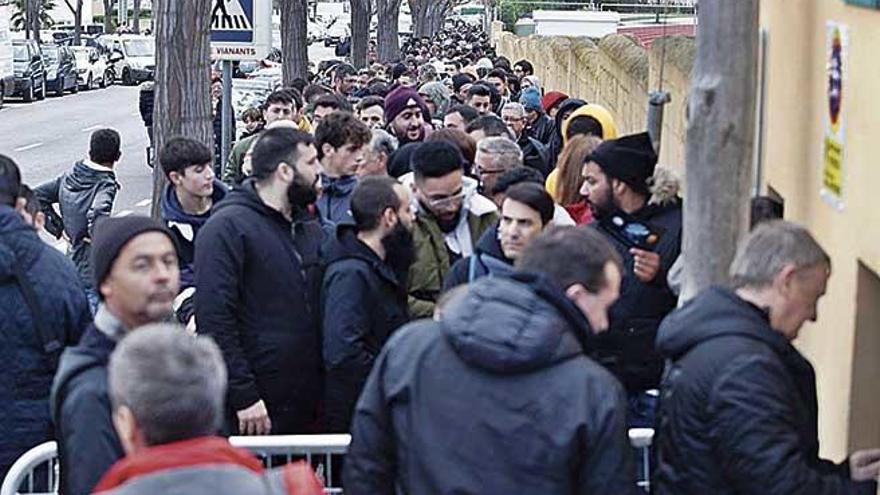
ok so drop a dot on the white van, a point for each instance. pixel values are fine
(132, 57)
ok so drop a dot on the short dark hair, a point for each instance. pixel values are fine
(501, 62)
(371, 101)
(339, 129)
(31, 204)
(180, 153)
(252, 114)
(314, 91)
(436, 159)
(299, 84)
(371, 197)
(479, 90)
(276, 146)
(497, 73)
(466, 144)
(332, 100)
(295, 95)
(552, 253)
(104, 146)
(342, 70)
(535, 197)
(585, 125)
(491, 125)
(526, 66)
(514, 176)
(10, 181)
(467, 112)
(280, 97)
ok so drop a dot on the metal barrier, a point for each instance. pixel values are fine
(317, 450)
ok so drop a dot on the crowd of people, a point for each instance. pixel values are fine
(474, 275)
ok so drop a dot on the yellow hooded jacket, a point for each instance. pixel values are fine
(609, 131)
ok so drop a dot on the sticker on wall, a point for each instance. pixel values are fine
(833, 149)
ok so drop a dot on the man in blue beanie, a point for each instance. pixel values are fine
(538, 124)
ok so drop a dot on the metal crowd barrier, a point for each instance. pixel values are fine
(273, 450)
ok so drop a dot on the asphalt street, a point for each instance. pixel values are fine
(47, 137)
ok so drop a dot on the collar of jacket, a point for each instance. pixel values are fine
(96, 166)
(109, 324)
(187, 453)
(346, 245)
(338, 186)
(173, 211)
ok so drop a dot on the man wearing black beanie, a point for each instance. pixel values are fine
(134, 264)
(646, 230)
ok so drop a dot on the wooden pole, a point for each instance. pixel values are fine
(720, 140)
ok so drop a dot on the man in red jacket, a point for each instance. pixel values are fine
(167, 391)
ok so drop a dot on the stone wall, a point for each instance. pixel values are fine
(617, 73)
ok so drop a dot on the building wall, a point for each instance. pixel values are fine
(797, 104)
(616, 72)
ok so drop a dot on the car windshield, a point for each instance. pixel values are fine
(139, 48)
(82, 56)
(20, 53)
(50, 54)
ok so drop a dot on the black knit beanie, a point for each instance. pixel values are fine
(111, 235)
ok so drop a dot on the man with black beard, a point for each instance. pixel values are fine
(255, 296)
(363, 296)
(406, 114)
(626, 197)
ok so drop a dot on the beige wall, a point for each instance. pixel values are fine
(616, 73)
(797, 104)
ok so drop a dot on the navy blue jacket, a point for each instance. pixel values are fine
(739, 410)
(27, 371)
(488, 259)
(550, 419)
(362, 303)
(334, 205)
(256, 297)
(84, 195)
(88, 444)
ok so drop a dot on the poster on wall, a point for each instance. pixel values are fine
(834, 142)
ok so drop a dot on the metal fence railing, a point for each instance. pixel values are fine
(37, 471)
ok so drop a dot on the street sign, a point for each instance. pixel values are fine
(241, 29)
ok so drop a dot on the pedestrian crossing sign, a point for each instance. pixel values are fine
(241, 29)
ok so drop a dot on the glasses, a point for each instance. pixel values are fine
(445, 201)
(511, 120)
(488, 171)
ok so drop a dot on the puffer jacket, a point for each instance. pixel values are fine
(738, 410)
(26, 376)
(551, 420)
(84, 195)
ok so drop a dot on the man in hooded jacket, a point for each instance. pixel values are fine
(498, 395)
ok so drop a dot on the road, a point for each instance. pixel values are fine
(47, 137)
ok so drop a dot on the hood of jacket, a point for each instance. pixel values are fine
(489, 244)
(568, 105)
(173, 211)
(246, 196)
(344, 245)
(12, 228)
(717, 312)
(514, 325)
(598, 112)
(84, 178)
(338, 186)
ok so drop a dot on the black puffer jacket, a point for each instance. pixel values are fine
(84, 195)
(26, 375)
(543, 129)
(739, 409)
(627, 349)
(362, 303)
(488, 259)
(535, 154)
(256, 298)
(497, 397)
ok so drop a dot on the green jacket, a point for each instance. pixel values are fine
(432, 258)
(232, 174)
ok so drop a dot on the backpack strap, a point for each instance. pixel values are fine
(52, 345)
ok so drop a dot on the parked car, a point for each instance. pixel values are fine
(30, 72)
(91, 69)
(7, 68)
(132, 57)
(60, 69)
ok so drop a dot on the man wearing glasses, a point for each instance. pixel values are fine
(534, 153)
(448, 223)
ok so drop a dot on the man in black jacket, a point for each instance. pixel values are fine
(363, 297)
(84, 194)
(135, 269)
(255, 295)
(535, 154)
(499, 396)
(739, 409)
(646, 230)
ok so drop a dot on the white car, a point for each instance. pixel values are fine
(91, 69)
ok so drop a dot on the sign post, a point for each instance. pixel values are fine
(240, 30)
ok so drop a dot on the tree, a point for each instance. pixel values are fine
(294, 40)
(720, 140)
(108, 16)
(77, 19)
(429, 15)
(388, 39)
(183, 84)
(136, 22)
(361, 13)
(35, 11)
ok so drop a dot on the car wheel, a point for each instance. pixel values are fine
(28, 94)
(108, 79)
(90, 83)
(43, 89)
(75, 87)
(126, 78)
(59, 88)
(2, 95)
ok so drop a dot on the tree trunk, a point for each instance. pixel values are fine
(360, 31)
(183, 85)
(388, 39)
(136, 21)
(108, 16)
(419, 11)
(77, 22)
(294, 40)
(720, 140)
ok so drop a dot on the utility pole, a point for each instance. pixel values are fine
(720, 140)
